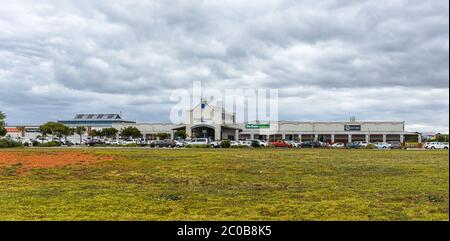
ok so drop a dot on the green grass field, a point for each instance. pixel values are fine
(232, 184)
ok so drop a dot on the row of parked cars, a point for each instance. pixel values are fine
(280, 143)
(249, 143)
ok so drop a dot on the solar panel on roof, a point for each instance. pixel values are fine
(100, 116)
(110, 116)
(90, 116)
(79, 116)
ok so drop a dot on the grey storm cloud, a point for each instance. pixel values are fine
(378, 60)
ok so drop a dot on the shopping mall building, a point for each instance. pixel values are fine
(213, 122)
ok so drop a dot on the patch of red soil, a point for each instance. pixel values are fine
(24, 161)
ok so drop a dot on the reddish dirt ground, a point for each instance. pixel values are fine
(25, 161)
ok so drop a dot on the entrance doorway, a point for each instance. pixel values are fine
(203, 132)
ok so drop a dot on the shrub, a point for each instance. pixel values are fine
(49, 144)
(240, 146)
(170, 197)
(4, 143)
(225, 144)
(255, 144)
(413, 145)
(371, 146)
(198, 146)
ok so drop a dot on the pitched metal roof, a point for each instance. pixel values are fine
(97, 117)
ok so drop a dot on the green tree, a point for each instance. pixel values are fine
(109, 132)
(95, 133)
(225, 144)
(22, 130)
(52, 128)
(80, 130)
(55, 129)
(130, 132)
(2, 124)
(181, 134)
(65, 131)
(441, 138)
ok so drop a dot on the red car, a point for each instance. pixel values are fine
(280, 144)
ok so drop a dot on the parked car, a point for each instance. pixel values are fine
(75, 141)
(199, 141)
(215, 144)
(93, 142)
(41, 140)
(179, 143)
(383, 145)
(355, 144)
(261, 143)
(142, 142)
(324, 144)
(294, 144)
(235, 143)
(338, 145)
(247, 143)
(363, 143)
(280, 144)
(436, 145)
(396, 145)
(115, 142)
(310, 144)
(165, 143)
(68, 142)
(127, 142)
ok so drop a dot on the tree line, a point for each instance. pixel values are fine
(61, 130)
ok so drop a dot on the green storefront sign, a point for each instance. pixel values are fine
(257, 126)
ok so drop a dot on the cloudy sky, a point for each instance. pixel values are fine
(376, 60)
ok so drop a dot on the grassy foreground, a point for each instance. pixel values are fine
(233, 184)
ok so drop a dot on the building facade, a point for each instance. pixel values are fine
(216, 123)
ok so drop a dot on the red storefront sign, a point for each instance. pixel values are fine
(11, 129)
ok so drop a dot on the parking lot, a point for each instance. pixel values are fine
(207, 143)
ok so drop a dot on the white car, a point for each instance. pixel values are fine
(75, 141)
(235, 143)
(294, 144)
(115, 142)
(198, 141)
(41, 140)
(363, 143)
(128, 142)
(260, 142)
(383, 145)
(179, 143)
(436, 145)
(338, 145)
(246, 143)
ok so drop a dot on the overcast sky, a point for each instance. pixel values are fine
(376, 60)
